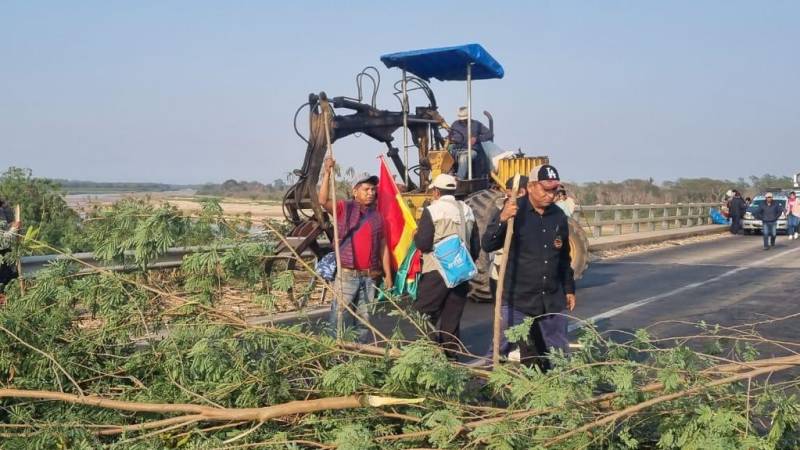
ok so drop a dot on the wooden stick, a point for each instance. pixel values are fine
(498, 301)
(18, 219)
(339, 308)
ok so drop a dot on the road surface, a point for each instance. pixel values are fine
(729, 281)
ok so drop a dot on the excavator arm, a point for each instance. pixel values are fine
(300, 203)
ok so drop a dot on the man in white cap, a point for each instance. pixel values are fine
(539, 281)
(444, 217)
(458, 137)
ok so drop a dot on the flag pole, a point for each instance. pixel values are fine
(405, 127)
(498, 301)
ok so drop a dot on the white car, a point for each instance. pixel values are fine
(752, 225)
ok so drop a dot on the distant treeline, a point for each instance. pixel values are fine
(80, 187)
(597, 192)
(245, 189)
(683, 190)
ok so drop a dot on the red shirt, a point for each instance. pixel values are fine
(361, 241)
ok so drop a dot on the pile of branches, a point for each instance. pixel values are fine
(159, 366)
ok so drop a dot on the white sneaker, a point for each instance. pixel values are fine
(796, 235)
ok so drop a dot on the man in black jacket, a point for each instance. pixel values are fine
(539, 281)
(769, 212)
(736, 209)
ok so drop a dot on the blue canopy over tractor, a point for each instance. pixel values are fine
(447, 63)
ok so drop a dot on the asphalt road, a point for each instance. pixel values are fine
(728, 281)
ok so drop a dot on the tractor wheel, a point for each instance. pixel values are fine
(484, 204)
(579, 248)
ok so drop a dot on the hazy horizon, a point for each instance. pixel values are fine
(195, 92)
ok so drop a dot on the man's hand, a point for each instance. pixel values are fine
(509, 210)
(474, 140)
(570, 302)
(388, 283)
(328, 165)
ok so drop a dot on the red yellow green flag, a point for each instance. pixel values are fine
(399, 226)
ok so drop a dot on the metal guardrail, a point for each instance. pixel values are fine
(625, 219)
(172, 258)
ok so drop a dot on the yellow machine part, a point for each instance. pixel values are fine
(416, 202)
(507, 168)
(441, 162)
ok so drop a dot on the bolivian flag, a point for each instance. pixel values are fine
(399, 226)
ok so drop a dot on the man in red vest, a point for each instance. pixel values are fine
(363, 251)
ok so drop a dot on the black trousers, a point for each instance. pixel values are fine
(736, 224)
(548, 332)
(444, 306)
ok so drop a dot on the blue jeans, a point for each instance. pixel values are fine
(463, 167)
(793, 222)
(770, 232)
(358, 292)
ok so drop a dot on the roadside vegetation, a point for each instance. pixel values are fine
(150, 359)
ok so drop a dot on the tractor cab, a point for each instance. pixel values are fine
(458, 63)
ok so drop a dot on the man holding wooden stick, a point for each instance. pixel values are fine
(364, 256)
(538, 281)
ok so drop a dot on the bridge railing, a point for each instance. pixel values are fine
(599, 220)
(605, 220)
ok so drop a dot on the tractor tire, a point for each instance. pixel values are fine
(578, 248)
(484, 204)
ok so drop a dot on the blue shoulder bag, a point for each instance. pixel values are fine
(455, 263)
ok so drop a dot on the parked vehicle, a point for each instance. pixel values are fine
(753, 225)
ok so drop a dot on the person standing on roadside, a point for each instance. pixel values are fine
(768, 213)
(363, 251)
(793, 215)
(736, 208)
(539, 281)
(9, 228)
(565, 202)
(444, 217)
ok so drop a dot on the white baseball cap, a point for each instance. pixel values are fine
(444, 181)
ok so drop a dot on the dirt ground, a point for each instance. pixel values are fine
(184, 200)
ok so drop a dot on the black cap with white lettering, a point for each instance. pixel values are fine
(545, 173)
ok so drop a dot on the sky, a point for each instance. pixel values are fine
(199, 91)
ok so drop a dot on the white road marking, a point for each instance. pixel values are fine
(666, 263)
(645, 301)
